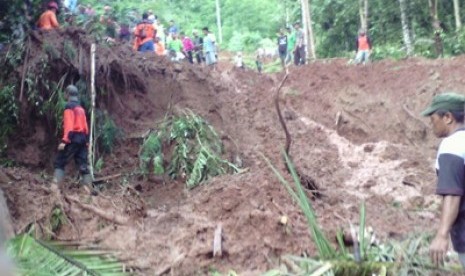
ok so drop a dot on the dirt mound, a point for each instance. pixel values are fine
(135, 89)
(355, 130)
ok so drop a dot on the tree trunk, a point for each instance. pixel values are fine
(458, 21)
(310, 32)
(405, 27)
(218, 21)
(433, 7)
(308, 29)
(363, 11)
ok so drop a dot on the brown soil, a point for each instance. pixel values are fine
(377, 152)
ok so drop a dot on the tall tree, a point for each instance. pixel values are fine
(363, 11)
(406, 27)
(458, 21)
(433, 8)
(308, 28)
(218, 21)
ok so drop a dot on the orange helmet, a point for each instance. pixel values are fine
(52, 5)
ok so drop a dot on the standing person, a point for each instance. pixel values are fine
(209, 48)
(198, 46)
(446, 113)
(238, 60)
(173, 29)
(282, 47)
(48, 19)
(259, 60)
(159, 47)
(124, 33)
(152, 17)
(290, 44)
(75, 138)
(144, 35)
(188, 47)
(175, 47)
(363, 48)
(299, 49)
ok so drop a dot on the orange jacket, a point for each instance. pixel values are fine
(363, 43)
(75, 128)
(159, 48)
(150, 33)
(48, 20)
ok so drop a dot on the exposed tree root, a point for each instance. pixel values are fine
(306, 181)
(107, 215)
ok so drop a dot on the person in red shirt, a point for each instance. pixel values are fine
(363, 48)
(75, 138)
(48, 19)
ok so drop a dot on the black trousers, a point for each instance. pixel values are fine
(299, 55)
(199, 57)
(189, 57)
(75, 151)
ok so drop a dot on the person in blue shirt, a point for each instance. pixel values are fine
(173, 29)
(209, 48)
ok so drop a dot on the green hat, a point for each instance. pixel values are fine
(72, 90)
(446, 101)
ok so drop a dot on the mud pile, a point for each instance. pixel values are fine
(356, 131)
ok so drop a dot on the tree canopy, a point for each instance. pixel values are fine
(248, 24)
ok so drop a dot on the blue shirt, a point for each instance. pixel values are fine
(208, 44)
(173, 29)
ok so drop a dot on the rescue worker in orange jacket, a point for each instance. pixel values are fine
(363, 47)
(144, 35)
(75, 138)
(48, 19)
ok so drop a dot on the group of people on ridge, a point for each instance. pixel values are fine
(148, 35)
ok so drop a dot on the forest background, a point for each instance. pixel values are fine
(398, 29)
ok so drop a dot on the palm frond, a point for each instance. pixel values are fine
(34, 257)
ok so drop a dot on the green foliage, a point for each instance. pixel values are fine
(99, 164)
(195, 153)
(69, 50)
(8, 113)
(38, 258)
(57, 219)
(151, 153)
(51, 51)
(325, 249)
(388, 51)
(54, 106)
(106, 133)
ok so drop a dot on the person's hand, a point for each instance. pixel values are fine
(438, 249)
(61, 146)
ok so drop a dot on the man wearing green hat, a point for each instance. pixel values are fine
(446, 113)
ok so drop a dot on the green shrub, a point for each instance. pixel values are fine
(195, 150)
(8, 113)
(106, 133)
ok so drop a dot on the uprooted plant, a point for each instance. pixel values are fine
(35, 257)
(193, 146)
(364, 257)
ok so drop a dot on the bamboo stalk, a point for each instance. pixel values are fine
(92, 115)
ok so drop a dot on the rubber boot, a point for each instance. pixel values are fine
(58, 176)
(86, 181)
